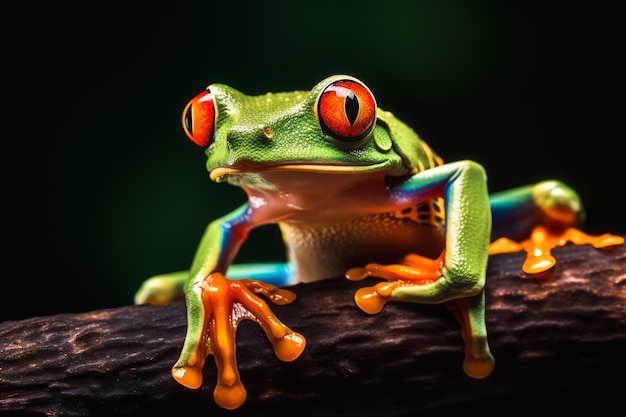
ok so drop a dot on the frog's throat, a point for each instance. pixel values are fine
(221, 171)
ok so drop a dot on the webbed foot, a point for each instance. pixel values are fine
(224, 303)
(412, 270)
(539, 245)
(415, 270)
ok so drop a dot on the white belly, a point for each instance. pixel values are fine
(327, 250)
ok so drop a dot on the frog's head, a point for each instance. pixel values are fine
(334, 128)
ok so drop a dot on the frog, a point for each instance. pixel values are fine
(356, 193)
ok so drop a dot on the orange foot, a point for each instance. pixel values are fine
(226, 302)
(415, 270)
(412, 270)
(542, 240)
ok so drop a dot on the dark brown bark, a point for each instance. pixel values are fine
(559, 343)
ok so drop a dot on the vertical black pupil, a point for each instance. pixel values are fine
(351, 107)
(188, 119)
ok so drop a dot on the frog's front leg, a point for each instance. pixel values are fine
(457, 277)
(537, 218)
(215, 306)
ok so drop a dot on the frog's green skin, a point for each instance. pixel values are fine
(341, 204)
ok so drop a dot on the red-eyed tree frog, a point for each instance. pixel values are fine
(356, 193)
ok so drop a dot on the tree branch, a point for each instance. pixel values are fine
(559, 341)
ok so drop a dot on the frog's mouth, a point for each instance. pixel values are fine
(221, 172)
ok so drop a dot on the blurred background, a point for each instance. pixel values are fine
(103, 189)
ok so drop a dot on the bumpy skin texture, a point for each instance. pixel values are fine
(355, 191)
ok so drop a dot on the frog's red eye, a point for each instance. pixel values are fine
(346, 110)
(199, 119)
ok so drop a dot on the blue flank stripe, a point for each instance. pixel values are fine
(278, 274)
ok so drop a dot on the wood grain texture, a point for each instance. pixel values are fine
(559, 343)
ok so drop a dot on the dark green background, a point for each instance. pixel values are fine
(102, 188)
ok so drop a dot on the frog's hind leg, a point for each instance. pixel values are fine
(537, 218)
(162, 289)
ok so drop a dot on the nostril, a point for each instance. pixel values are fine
(249, 135)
